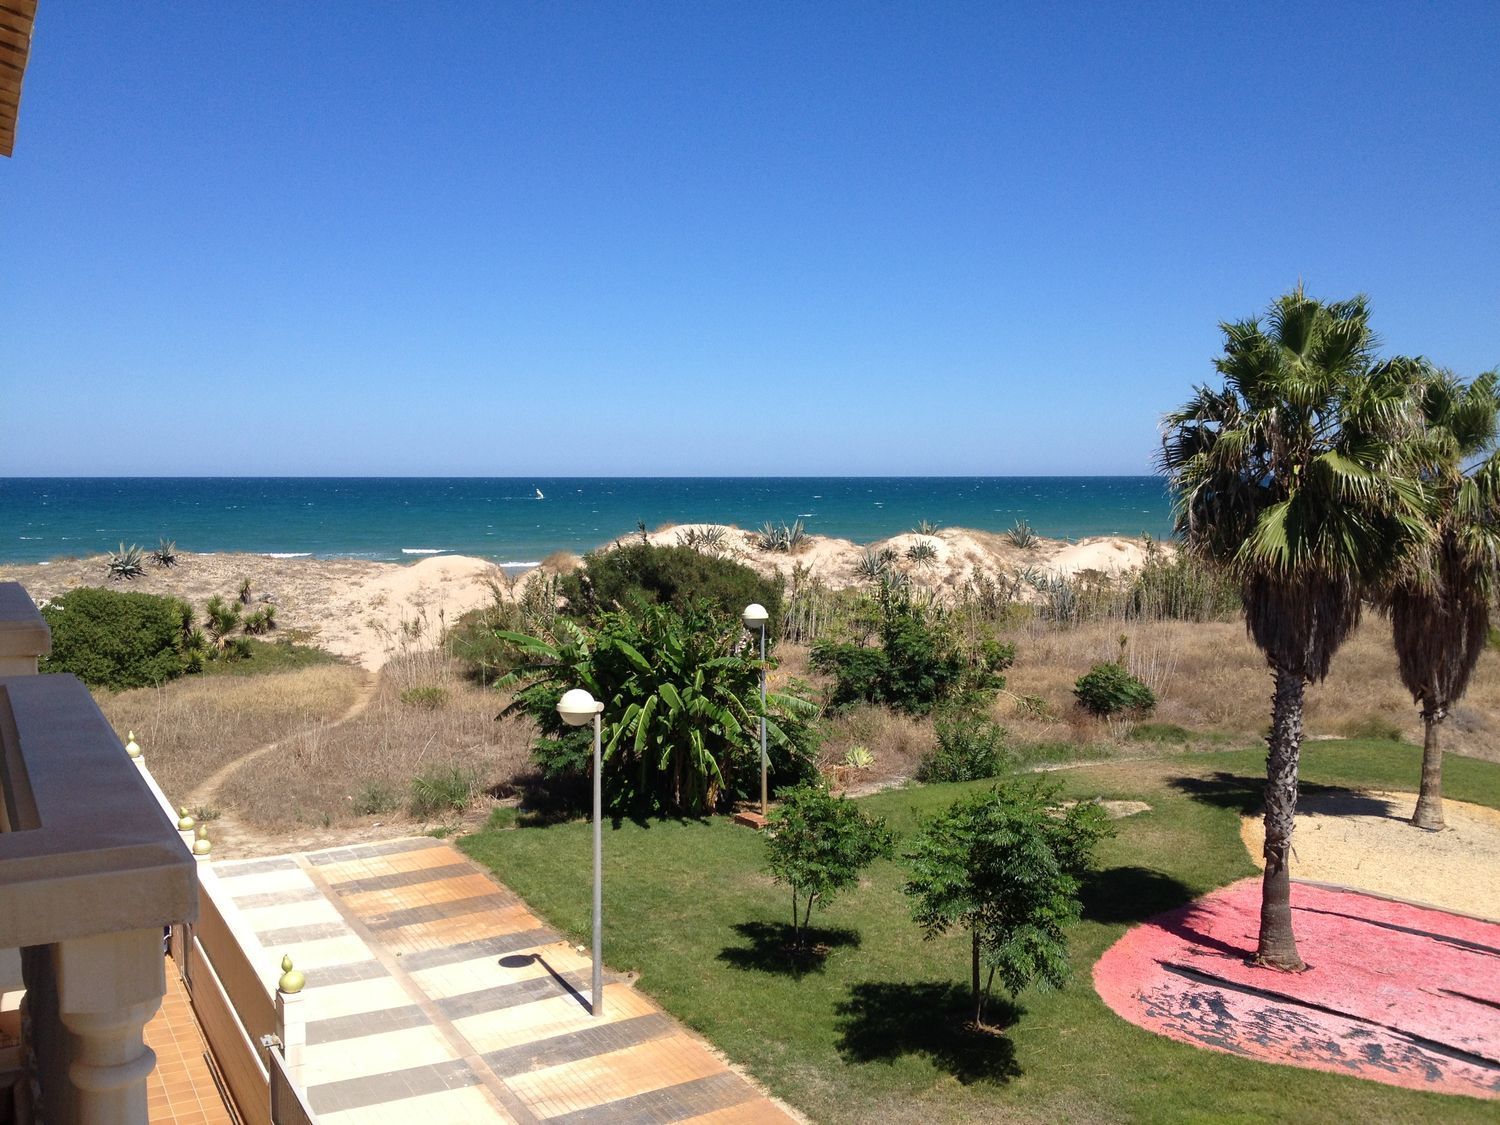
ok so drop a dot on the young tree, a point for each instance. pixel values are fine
(1005, 865)
(817, 845)
(1440, 607)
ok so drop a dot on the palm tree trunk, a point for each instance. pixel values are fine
(1429, 812)
(1278, 945)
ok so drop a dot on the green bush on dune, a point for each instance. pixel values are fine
(116, 640)
(638, 575)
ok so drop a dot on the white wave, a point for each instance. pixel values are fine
(525, 562)
(424, 550)
(287, 554)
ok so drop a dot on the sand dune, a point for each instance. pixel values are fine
(358, 609)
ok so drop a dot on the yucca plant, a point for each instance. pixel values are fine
(781, 538)
(925, 527)
(245, 592)
(921, 552)
(165, 553)
(221, 619)
(125, 563)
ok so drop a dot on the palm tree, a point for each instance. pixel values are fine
(1440, 606)
(1291, 475)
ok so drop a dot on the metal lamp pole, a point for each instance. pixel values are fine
(755, 616)
(576, 708)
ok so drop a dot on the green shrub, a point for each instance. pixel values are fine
(1109, 689)
(376, 797)
(916, 667)
(443, 790)
(638, 575)
(970, 748)
(116, 640)
(429, 697)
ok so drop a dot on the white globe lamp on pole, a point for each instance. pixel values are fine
(576, 708)
(755, 617)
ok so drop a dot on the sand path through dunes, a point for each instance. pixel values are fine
(1365, 840)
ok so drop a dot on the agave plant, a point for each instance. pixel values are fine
(1021, 535)
(859, 758)
(165, 553)
(784, 539)
(875, 566)
(925, 527)
(126, 563)
(921, 552)
(709, 540)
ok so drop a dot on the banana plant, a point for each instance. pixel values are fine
(680, 726)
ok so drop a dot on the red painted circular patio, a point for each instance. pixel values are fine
(1394, 992)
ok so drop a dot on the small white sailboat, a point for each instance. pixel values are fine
(539, 495)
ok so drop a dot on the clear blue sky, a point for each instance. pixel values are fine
(712, 238)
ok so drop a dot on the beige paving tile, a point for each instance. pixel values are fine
(313, 955)
(265, 882)
(291, 914)
(350, 999)
(449, 1106)
(375, 1054)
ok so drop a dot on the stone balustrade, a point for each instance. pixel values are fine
(91, 871)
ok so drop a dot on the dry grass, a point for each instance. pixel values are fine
(192, 727)
(1211, 678)
(362, 771)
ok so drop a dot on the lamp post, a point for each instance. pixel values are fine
(576, 708)
(755, 617)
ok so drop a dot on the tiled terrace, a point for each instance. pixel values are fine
(434, 995)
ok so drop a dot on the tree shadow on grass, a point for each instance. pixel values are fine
(1131, 894)
(1245, 794)
(883, 1021)
(772, 950)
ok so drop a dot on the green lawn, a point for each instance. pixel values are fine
(874, 1033)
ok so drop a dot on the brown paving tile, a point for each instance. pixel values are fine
(437, 856)
(181, 1090)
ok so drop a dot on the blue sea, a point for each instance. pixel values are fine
(520, 520)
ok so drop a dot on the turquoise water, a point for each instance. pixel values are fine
(404, 519)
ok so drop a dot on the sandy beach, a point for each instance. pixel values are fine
(358, 609)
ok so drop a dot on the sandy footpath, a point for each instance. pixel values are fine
(1364, 840)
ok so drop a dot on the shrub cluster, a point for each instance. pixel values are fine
(970, 748)
(1109, 689)
(637, 575)
(918, 665)
(115, 640)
